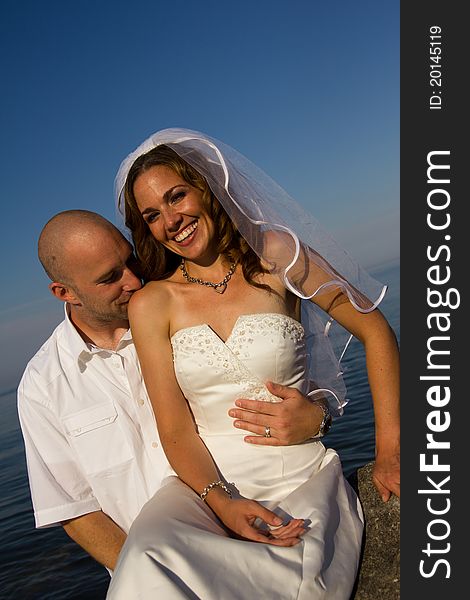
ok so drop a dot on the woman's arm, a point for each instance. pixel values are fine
(380, 345)
(149, 315)
(382, 361)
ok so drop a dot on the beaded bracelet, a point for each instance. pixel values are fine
(212, 485)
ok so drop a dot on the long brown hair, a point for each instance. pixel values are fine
(156, 261)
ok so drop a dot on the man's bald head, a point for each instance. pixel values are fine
(65, 236)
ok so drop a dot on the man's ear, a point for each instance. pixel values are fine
(63, 292)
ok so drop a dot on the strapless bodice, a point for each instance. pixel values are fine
(212, 373)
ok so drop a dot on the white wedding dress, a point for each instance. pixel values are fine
(178, 549)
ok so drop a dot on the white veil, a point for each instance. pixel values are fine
(307, 259)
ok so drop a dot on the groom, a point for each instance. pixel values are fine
(92, 448)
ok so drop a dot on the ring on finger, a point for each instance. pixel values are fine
(267, 431)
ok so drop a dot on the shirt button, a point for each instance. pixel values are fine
(154, 445)
(141, 402)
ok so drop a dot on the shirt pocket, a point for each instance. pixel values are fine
(98, 438)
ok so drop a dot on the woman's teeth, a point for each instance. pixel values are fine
(186, 232)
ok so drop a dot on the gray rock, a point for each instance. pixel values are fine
(379, 573)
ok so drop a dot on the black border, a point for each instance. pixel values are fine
(424, 130)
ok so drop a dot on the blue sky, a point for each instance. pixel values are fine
(308, 90)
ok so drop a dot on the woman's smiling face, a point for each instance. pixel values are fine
(175, 213)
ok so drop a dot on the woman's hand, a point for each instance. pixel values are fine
(241, 515)
(386, 474)
(293, 420)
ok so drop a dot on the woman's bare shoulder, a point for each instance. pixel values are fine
(154, 294)
(276, 242)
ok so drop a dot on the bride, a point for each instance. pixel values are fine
(239, 279)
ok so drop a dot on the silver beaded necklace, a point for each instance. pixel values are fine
(218, 287)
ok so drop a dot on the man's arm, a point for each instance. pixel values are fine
(294, 420)
(98, 535)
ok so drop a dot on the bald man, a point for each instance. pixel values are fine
(92, 447)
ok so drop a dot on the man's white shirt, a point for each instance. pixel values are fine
(89, 430)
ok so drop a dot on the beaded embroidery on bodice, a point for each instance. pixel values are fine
(212, 373)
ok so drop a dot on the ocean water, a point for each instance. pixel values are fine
(46, 564)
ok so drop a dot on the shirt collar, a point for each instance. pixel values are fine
(83, 350)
